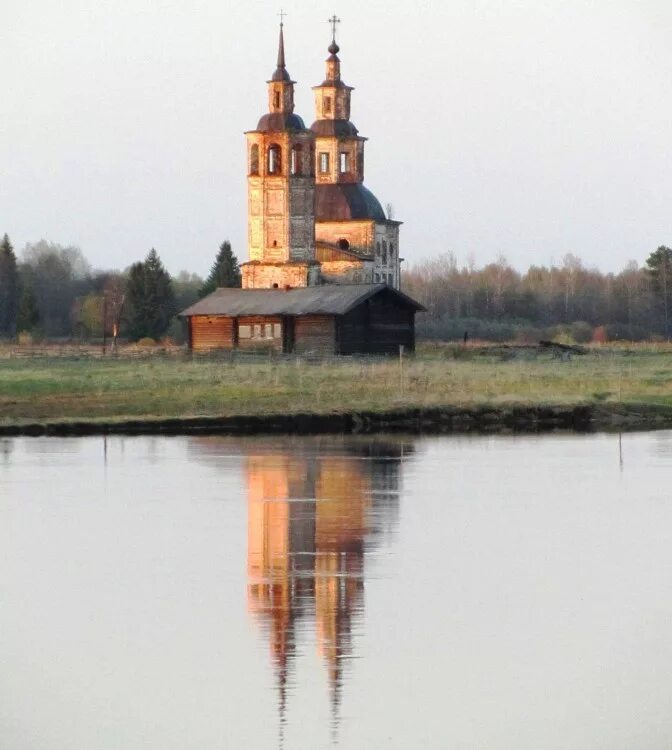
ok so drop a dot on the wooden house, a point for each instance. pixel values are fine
(329, 319)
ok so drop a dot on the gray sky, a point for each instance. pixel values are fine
(527, 128)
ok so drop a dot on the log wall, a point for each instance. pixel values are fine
(211, 332)
(315, 333)
(265, 332)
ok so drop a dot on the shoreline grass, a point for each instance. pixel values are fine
(59, 389)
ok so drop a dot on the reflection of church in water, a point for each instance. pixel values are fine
(312, 516)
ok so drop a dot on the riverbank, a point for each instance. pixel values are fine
(581, 418)
(441, 389)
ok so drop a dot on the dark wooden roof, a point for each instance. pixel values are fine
(279, 122)
(330, 299)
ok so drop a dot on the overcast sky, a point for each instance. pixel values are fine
(523, 128)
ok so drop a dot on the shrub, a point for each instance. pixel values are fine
(176, 331)
(581, 332)
(146, 341)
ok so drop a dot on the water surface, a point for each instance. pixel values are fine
(458, 592)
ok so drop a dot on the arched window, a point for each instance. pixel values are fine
(384, 252)
(274, 159)
(378, 249)
(276, 99)
(344, 244)
(254, 159)
(296, 165)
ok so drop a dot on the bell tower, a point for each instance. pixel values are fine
(356, 242)
(340, 150)
(280, 191)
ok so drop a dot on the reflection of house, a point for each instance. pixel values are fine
(311, 516)
(312, 225)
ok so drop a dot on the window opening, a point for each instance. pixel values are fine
(327, 104)
(277, 99)
(274, 163)
(384, 251)
(324, 162)
(295, 165)
(343, 244)
(344, 162)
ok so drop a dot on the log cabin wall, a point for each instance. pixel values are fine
(391, 324)
(260, 332)
(378, 326)
(315, 333)
(211, 332)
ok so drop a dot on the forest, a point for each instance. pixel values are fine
(51, 292)
(568, 301)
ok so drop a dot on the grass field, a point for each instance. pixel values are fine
(55, 389)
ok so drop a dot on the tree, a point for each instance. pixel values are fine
(9, 288)
(187, 287)
(659, 268)
(28, 315)
(150, 302)
(58, 276)
(224, 271)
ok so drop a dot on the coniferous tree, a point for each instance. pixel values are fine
(28, 315)
(659, 267)
(9, 289)
(149, 297)
(224, 271)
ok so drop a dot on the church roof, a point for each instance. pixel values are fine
(333, 127)
(344, 201)
(330, 299)
(279, 122)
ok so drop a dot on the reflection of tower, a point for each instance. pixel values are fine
(310, 515)
(280, 547)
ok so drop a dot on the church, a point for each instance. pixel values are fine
(323, 273)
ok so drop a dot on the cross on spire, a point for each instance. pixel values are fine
(333, 21)
(282, 15)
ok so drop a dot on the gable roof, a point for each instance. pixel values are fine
(330, 299)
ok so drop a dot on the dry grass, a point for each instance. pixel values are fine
(85, 388)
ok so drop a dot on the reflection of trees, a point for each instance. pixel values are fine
(314, 507)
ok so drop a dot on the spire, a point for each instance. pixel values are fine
(281, 73)
(333, 62)
(333, 21)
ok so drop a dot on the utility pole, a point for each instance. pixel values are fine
(104, 320)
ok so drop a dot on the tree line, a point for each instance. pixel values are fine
(51, 291)
(497, 302)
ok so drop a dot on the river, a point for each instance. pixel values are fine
(182, 593)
